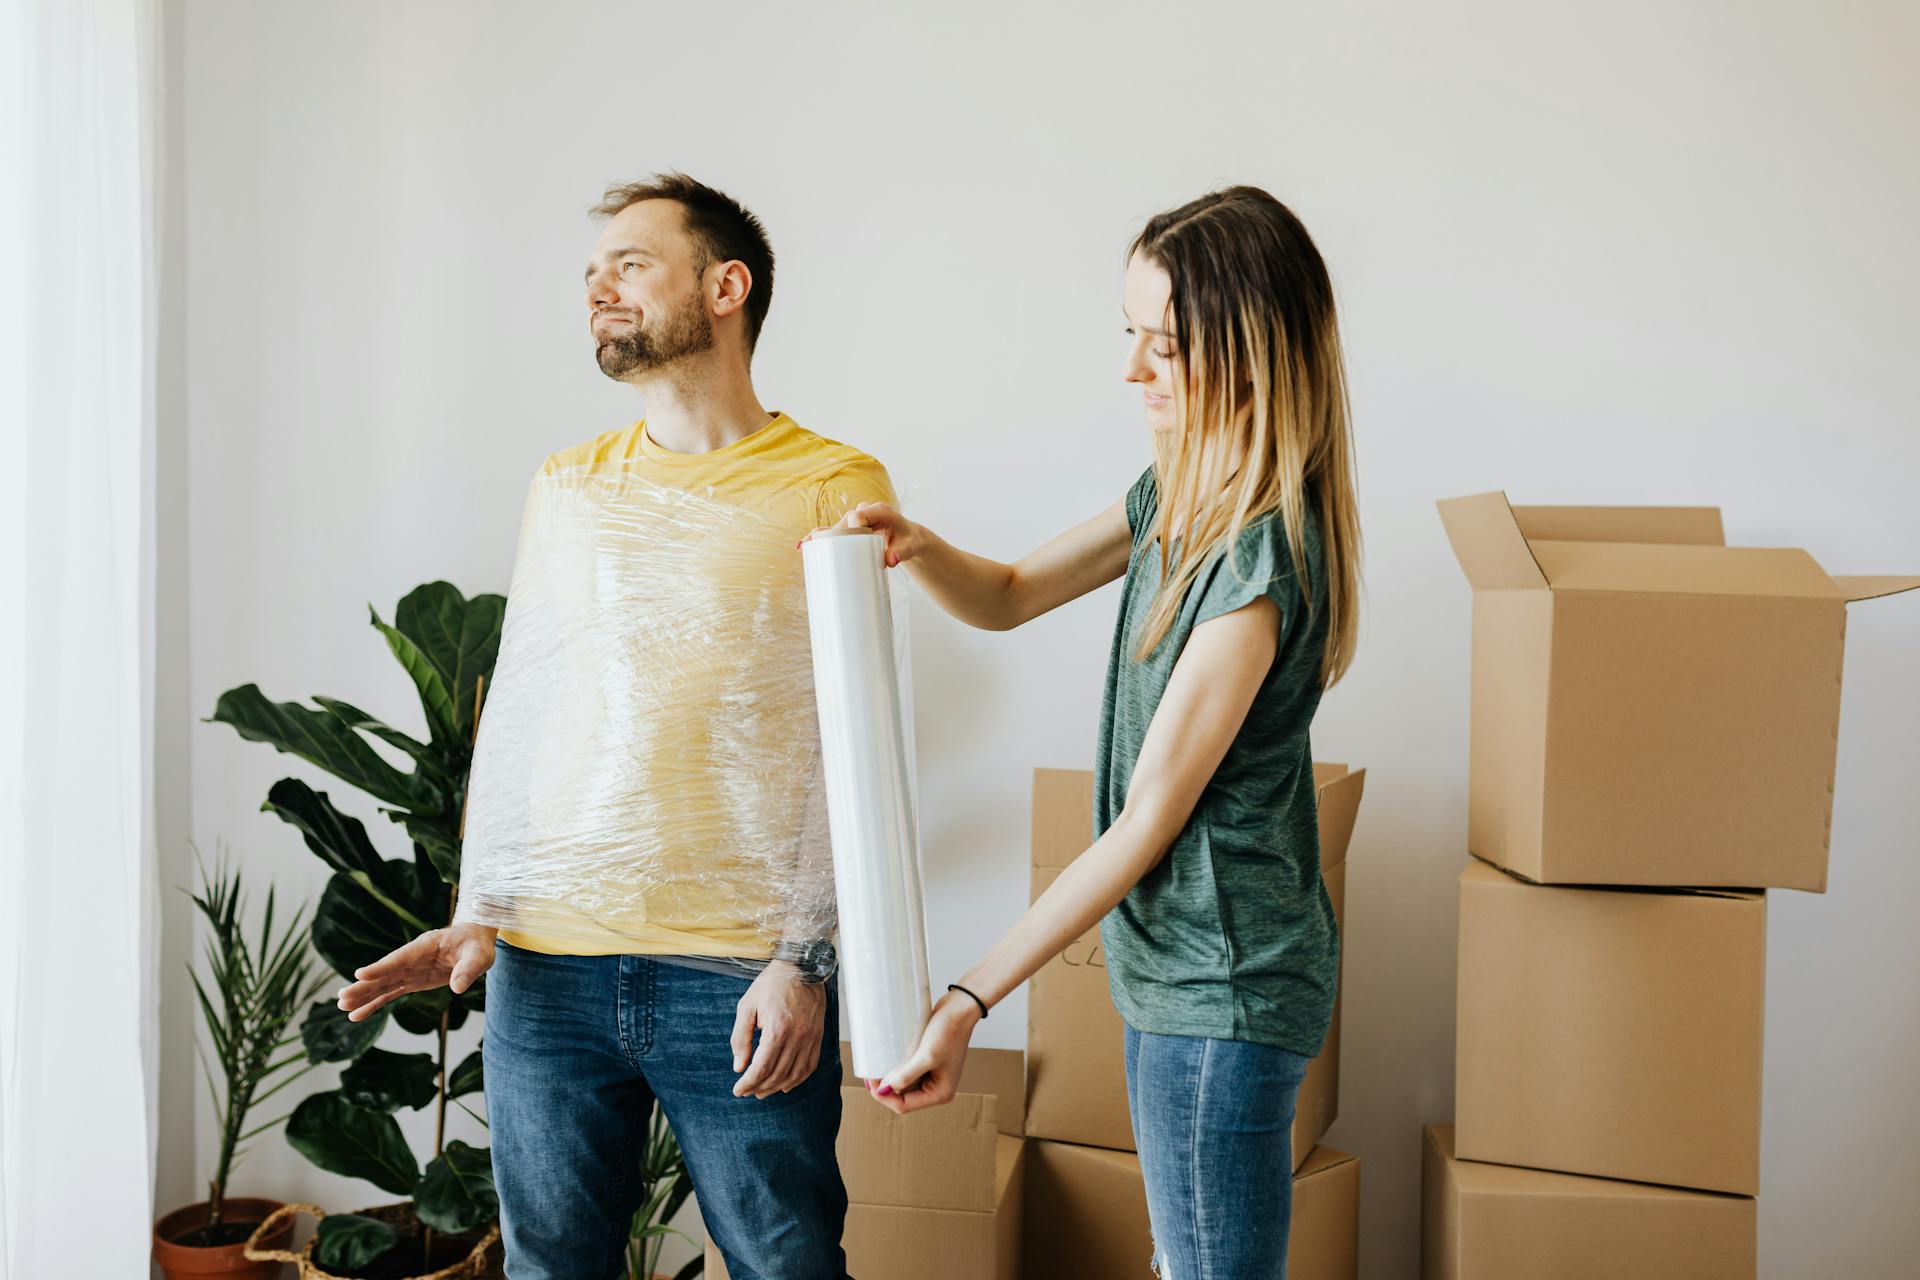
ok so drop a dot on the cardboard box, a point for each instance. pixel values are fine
(1493, 1222)
(1076, 1067)
(885, 1240)
(936, 1194)
(1087, 1215)
(1611, 1032)
(940, 1158)
(1650, 706)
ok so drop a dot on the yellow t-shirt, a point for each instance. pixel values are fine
(689, 778)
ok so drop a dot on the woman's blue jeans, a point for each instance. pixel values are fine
(1213, 1122)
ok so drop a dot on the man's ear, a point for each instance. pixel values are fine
(731, 284)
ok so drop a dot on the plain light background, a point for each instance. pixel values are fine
(1637, 253)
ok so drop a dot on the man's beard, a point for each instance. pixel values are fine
(685, 331)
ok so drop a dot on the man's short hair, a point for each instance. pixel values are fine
(722, 229)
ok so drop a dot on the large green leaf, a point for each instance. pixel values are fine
(331, 1036)
(322, 739)
(467, 1077)
(353, 1141)
(341, 842)
(353, 928)
(456, 1193)
(460, 637)
(420, 1011)
(345, 1242)
(430, 758)
(436, 696)
(383, 1081)
(437, 839)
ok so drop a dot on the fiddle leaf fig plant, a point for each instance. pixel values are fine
(447, 645)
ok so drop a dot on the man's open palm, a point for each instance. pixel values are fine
(452, 957)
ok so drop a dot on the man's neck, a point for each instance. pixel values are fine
(699, 415)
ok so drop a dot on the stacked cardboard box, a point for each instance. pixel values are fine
(1033, 1170)
(1086, 1215)
(938, 1194)
(1652, 746)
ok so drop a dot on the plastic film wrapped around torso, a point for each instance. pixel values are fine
(647, 773)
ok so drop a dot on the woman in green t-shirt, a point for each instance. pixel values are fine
(1240, 547)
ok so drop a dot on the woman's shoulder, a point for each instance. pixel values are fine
(1262, 556)
(1142, 498)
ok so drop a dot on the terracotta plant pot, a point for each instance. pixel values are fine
(220, 1262)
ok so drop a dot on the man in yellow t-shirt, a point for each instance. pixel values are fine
(693, 964)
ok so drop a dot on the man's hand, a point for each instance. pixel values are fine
(789, 1015)
(452, 957)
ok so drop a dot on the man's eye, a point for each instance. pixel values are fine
(626, 267)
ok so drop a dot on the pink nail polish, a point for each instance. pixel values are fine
(886, 1090)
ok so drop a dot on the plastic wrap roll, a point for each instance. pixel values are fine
(867, 761)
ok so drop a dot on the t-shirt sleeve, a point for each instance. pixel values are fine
(1259, 565)
(1140, 502)
(863, 480)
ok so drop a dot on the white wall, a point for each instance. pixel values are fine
(1634, 253)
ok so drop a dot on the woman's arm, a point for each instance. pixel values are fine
(1205, 703)
(998, 597)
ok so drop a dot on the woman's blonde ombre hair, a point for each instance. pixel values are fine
(1260, 393)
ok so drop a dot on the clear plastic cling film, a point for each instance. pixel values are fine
(647, 774)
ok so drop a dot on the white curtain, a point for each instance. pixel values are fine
(79, 129)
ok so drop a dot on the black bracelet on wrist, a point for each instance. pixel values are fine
(954, 986)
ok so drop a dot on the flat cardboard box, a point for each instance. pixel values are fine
(938, 1193)
(938, 1158)
(1494, 1222)
(1650, 706)
(887, 1240)
(1611, 1032)
(1076, 1069)
(1087, 1215)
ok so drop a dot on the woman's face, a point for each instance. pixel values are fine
(1153, 354)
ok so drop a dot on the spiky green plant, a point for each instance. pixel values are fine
(665, 1187)
(252, 993)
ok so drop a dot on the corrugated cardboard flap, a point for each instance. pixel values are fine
(1475, 1177)
(1689, 570)
(1479, 871)
(1001, 1074)
(1007, 1153)
(1693, 526)
(1339, 800)
(1321, 1161)
(1062, 815)
(939, 1158)
(1858, 588)
(1489, 545)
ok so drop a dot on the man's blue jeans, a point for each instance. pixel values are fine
(577, 1049)
(1213, 1121)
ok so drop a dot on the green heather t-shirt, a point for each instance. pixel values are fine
(1231, 936)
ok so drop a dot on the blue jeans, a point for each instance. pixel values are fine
(577, 1049)
(1213, 1122)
